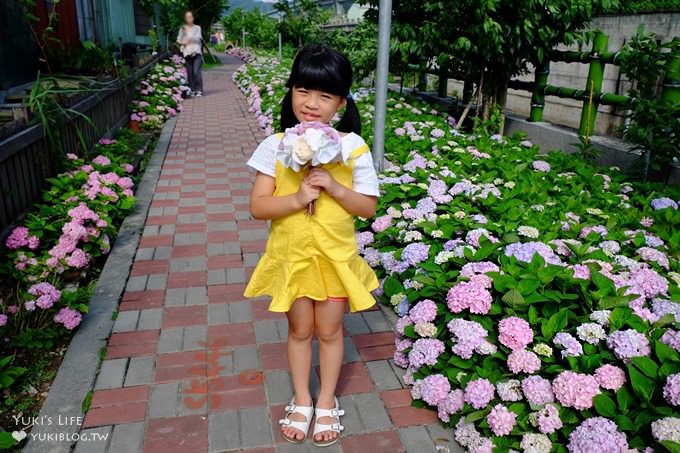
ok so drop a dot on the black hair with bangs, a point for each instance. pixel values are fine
(317, 67)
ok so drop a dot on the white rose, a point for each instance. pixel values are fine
(302, 151)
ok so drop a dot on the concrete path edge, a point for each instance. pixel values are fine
(78, 370)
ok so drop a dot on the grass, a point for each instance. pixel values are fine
(210, 62)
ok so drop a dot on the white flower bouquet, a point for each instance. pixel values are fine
(309, 145)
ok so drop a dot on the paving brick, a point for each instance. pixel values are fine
(381, 442)
(140, 371)
(156, 282)
(229, 392)
(127, 437)
(398, 404)
(150, 319)
(271, 331)
(132, 344)
(383, 375)
(353, 379)
(136, 283)
(443, 438)
(164, 400)
(170, 340)
(195, 263)
(376, 321)
(94, 440)
(274, 356)
(235, 276)
(111, 374)
(355, 324)
(126, 321)
(415, 439)
(162, 253)
(279, 386)
(177, 434)
(195, 338)
(227, 335)
(185, 316)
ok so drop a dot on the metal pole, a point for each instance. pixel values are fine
(384, 24)
(243, 37)
(280, 41)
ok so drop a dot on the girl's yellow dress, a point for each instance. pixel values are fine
(314, 256)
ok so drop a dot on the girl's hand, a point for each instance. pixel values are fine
(322, 178)
(307, 193)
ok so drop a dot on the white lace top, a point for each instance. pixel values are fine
(364, 177)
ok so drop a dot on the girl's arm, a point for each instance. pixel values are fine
(355, 203)
(265, 206)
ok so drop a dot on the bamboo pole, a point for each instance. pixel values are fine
(594, 84)
(538, 95)
(671, 83)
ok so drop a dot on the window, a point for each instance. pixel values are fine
(143, 21)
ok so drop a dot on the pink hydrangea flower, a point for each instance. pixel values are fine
(20, 237)
(610, 377)
(46, 294)
(68, 317)
(597, 433)
(575, 389)
(538, 390)
(423, 311)
(501, 420)
(101, 160)
(479, 393)
(471, 295)
(434, 389)
(671, 391)
(453, 403)
(515, 333)
(523, 361)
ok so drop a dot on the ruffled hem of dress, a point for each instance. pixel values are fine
(286, 281)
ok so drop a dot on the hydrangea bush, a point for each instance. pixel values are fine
(538, 295)
(160, 93)
(62, 238)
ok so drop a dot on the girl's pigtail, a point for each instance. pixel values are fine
(288, 118)
(350, 121)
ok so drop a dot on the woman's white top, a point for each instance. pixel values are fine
(364, 177)
(193, 36)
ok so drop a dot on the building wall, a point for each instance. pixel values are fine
(567, 112)
(66, 23)
(116, 22)
(18, 52)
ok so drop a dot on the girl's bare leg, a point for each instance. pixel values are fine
(300, 330)
(328, 323)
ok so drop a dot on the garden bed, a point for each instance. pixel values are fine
(538, 295)
(52, 262)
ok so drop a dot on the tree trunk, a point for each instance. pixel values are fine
(502, 101)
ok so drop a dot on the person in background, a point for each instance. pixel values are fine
(191, 40)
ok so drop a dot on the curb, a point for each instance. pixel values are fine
(78, 371)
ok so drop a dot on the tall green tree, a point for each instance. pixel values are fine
(206, 13)
(262, 30)
(490, 41)
(302, 21)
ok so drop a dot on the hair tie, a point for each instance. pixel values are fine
(350, 97)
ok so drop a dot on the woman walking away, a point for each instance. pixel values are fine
(190, 38)
(311, 266)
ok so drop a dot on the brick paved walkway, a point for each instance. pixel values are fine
(193, 367)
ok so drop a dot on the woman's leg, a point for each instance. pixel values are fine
(328, 324)
(198, 73)
(190, 72)
(300, 331)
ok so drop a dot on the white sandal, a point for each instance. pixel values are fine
(303, 426)
(335, 412)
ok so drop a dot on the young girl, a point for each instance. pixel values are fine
(311, 267)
